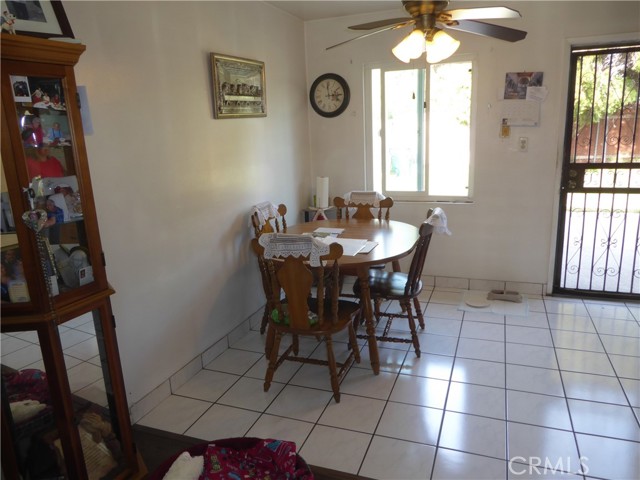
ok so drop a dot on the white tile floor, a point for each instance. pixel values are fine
(492, 396)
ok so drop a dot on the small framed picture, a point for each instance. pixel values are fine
(42, 18)
(20, 85)
(238, 87)
(85, 275)
(14, 285)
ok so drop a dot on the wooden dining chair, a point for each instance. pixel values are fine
(363, 205)
(403, 288)
(306, 303)
(267, 218)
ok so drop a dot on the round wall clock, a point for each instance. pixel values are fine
(329, 95)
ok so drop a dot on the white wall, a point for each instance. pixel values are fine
(173, 186)
(508, 232)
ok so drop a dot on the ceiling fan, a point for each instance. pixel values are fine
(430, 19)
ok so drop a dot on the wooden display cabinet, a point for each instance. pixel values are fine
(64, 408)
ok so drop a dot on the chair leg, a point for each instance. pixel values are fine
(273, 360)
(331, 360)
(295, 343)
(268, 343)
(354, 343)
(416, 304)
(376, 305)
(360, 317)
(265, 319)
(412, 327)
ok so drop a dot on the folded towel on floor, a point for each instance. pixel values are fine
(185, 467)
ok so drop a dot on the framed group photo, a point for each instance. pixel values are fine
(36, 18)
(239, 88)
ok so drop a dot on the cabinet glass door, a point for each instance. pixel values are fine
(54, 186)
(14, 283)
(30, 417)
(28, 392)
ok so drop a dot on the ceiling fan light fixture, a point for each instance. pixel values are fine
(441, 47)
(411, 47)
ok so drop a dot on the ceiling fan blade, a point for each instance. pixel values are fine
(481, 13)
(379, 23)
(392, 27)
(488, 30)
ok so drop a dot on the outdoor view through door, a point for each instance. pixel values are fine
(599, 221)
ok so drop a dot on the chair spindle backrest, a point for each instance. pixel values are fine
(272, 224)
(363, 210)
(418, 260)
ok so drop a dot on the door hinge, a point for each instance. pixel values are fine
(113, 321)
(104, 260)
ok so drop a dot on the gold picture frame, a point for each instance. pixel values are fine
(239, 89)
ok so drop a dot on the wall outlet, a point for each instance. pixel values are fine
(523, 144)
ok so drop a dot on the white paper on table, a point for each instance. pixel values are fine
(323, 232)
(368, 247)
(350, 246)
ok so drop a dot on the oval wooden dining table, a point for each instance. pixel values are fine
(395, 240)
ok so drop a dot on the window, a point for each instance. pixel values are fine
(421, 131)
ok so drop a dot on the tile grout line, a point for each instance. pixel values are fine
(566, 399)
(606, 352)
(507, 450)
(446, 399)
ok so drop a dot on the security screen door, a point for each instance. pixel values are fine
(599, 221)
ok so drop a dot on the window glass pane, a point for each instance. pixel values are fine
(449, 129)
(376, 128)
(403, 119)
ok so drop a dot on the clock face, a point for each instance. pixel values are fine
(329, 95)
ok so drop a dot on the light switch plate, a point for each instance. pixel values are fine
(523, 144)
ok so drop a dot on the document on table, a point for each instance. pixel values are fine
(327, 232)
(350, 246)
(368, 247)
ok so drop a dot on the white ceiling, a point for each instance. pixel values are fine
(316, 10)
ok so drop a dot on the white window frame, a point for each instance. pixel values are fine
(375, 179)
